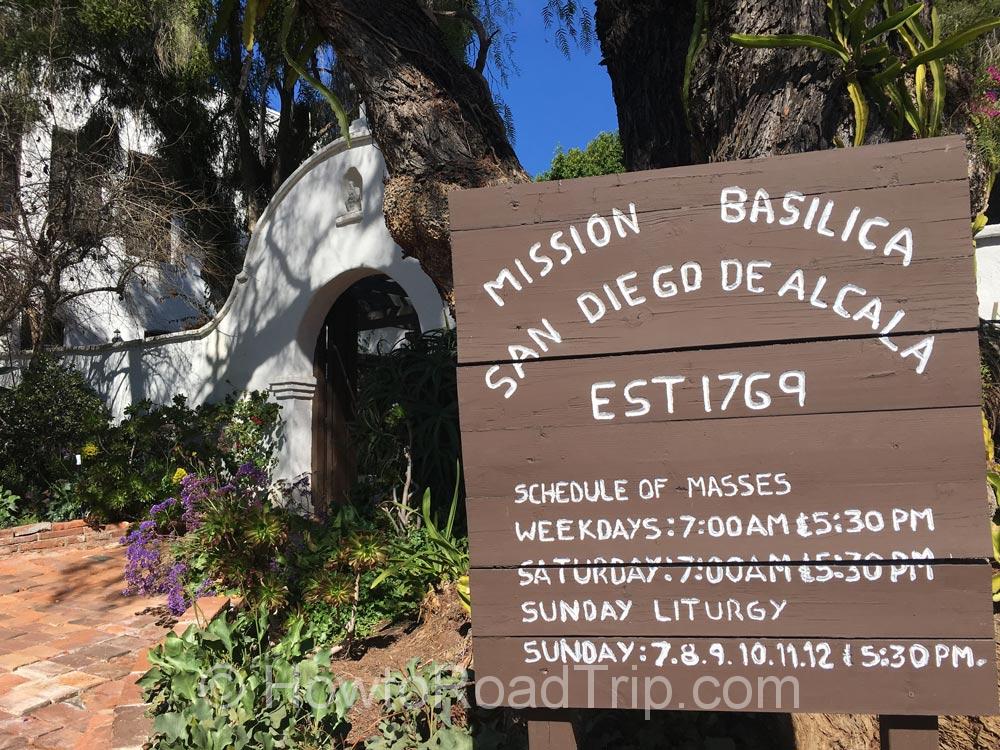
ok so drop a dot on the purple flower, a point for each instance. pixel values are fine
(205, 588)
(151, 566)
(251, 473)
(177, 600)
(160, 507)
(143, 562)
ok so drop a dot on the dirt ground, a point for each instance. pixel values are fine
(443, 635)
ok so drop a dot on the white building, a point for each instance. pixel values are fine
(162, 295)
(322, 240)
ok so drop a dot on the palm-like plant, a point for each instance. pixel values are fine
(438, 555)
(879, 58)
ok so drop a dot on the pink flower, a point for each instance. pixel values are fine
(991, 95)
(994, 73)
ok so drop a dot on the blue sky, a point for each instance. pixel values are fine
(554, 100)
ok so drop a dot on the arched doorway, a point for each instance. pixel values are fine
(370, 317)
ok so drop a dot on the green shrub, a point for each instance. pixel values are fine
(229, 686)
(8, 508)
(428, 708)
(63, 457)
(419, 706)
(48, 419)
(137, 461)
(603, 155)
(428, 556)
(228, 533)
(407, 408)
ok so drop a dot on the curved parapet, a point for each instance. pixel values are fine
(322, 232)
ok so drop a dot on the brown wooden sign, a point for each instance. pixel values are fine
(723, 423)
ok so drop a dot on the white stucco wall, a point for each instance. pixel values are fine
(159, 297)
(306, 249)
(988, 272)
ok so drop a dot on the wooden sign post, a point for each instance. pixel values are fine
(722, 439)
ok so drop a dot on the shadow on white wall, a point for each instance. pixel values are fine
(322, 232)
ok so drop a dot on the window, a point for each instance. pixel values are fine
(153, 232)
(53, 335)
(74, 194)
(80, 161)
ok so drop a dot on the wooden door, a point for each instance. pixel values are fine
(335, 369)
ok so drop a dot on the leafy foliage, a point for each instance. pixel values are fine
(407, 410)
(989, 346)
(51, 416)
(432, 555)
(8, 507)
(419, 707)
(573, 23)
(231, 533)
(879, 57)
(603, 155)
(136, 461)
(227, 686)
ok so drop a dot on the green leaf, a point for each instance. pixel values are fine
(937, 100)
(454, 500)
(875, 56)
(331, 98)
(901, 98)
(993, 479)
(893, 22)
(953, 43)
(834, 21)
(856, 20)
(888, 75)
(171, 725)
(254, 9)
(221, 629)
(699, 37)
(920, 91)
(311, 45)
(185, 685)
(935, 115)
(150, 679)
(790, 41)
(861, 112)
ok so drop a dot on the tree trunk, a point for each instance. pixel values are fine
(431, 114)
(743, 103)
(645, 43)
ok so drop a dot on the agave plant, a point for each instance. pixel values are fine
(874, 67)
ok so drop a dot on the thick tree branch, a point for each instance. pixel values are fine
(432, 116)
(485, 39)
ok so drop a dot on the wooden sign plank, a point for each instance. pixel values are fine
(804, 378)
(889, 676)
(846, 601)
(676, 284)
(761, 472)
(687, 278)
(927, 161)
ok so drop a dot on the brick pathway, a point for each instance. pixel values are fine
(68, 643)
